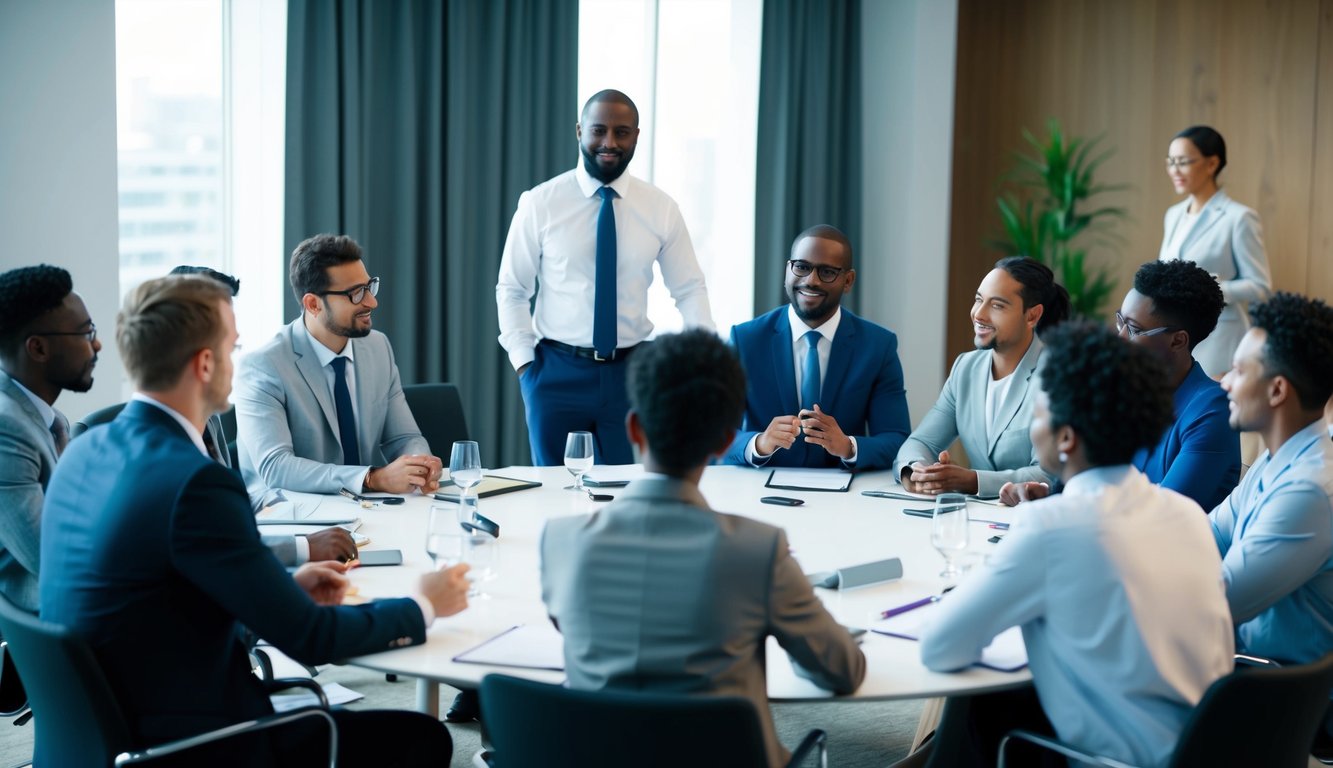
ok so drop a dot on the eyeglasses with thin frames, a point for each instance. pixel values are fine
(357, 293)
(804, 268)
(1122, 325)
(1181, 162)
(90, 335)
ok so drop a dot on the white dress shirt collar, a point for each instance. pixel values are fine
(323, 353)
(47, 413)
(828, 329)
(195, 436)
(589, 185)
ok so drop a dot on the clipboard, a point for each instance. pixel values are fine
(490, 485)
(797, 479)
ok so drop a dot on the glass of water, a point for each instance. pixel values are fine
(578, 458)
(480, 552)
(444, 536)
(950, 529)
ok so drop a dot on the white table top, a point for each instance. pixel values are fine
(831, 530)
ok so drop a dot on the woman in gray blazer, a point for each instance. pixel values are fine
(1217, 233)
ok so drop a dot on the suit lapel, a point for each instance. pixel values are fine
(12, 391)
(313, 373)
(784, 370)
(365, 398)
(1212, 213)
(1018, 390)
(839, 360)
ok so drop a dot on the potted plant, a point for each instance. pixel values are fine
(1047, 213)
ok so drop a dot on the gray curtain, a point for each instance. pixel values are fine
(413, 126)
(809, 169)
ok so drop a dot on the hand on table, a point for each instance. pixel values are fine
(331, 544)
(940, 477)
(405, 473)
(447, 589)
(1013, 494)
(781, 433)
(822, 430)
(324, 581)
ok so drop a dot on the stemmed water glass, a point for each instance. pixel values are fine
(578, 458)
(949, 532)
(465, 469)
(444, 536)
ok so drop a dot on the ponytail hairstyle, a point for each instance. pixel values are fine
(1209, 143)
(1039, 287)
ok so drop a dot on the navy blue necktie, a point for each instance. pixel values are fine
(604, 297)
(810, 372)
(342, 400)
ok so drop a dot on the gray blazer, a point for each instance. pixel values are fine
(657, 592)
(960, 412)
(1227, 240)
(287, 424)
(27, 459)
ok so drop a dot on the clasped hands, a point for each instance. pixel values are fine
(941, 477)
(820, 429)
(405, 473)
(326, 583)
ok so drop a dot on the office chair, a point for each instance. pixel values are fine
(532, 723)
(438, 409)
(101, 416)
(79, 721)
(1263, 715)
(13, 697)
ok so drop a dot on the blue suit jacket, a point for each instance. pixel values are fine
(1199, 456)
(862, 389)
(150, 552)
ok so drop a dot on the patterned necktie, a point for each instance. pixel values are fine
(211, 445)
(604, 295)
(810, 372)
(342, 400)
(60, 433)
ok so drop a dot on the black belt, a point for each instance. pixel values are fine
(588, 353)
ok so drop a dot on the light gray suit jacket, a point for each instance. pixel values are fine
(27, 459)
(287, 424)
(656, 592)
(960, 412)
(1227, 240)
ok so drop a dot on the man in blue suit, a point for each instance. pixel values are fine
(150, 553)
(825, 388)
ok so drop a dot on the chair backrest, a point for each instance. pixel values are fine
(438, 409)
(532, 723)
(77, 717)
(1258, 716)
(100, 416)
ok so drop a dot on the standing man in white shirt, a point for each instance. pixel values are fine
(590, 237)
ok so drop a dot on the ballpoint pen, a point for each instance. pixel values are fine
(999, 526)
(912, 606)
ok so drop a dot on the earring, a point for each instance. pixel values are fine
(1064, 457)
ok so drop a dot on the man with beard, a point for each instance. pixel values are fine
(590, 237)
(825, 386)
(987, 400)
(320, 406)
(48, 344)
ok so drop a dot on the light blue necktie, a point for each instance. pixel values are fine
(604, 294)
(810, 373)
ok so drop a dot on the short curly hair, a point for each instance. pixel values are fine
(1183, 294)
(26, 294)
(1300, 344)
(688, 390)
(1113, 394)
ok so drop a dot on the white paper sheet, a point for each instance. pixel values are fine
(811, 479)
(1006, 652)
(337, 693)
(603, 474)
(532, 646)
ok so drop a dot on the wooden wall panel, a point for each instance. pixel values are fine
(1138, 71)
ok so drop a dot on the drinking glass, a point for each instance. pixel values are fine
(578, 458)
(465, 472)
(444, 536)
(480, 552)
(949, 532)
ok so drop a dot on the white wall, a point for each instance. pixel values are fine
(908, 53)
(58, 161)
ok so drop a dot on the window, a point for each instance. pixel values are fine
(692, 67)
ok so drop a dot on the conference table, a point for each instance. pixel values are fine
(830, 530)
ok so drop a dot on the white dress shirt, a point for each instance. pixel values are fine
(325, 357)
(799, 350)
(553, 240)
(1118, 588)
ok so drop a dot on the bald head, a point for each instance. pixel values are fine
(609, 96)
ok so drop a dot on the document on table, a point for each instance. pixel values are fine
(902, 494)
(530, 646)
(336, 693)
(612, 475)
(809, 480)
(1005, 653)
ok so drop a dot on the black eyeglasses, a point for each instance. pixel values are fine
(90, 335)
(1122, 325)
(357, 293)
(826, 274)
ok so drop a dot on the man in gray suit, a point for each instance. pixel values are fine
(320, 407)
(987, 400)
(657, 591)
(48, 344)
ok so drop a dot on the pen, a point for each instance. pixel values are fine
(999, 526)
(909, 607)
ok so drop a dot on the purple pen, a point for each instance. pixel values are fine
(909, 607)
(999, 526)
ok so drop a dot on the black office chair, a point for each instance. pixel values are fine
(79, 721)
(438, 409)
(533, 723)
(101, 416)
(1264, 715)
(13, 696)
